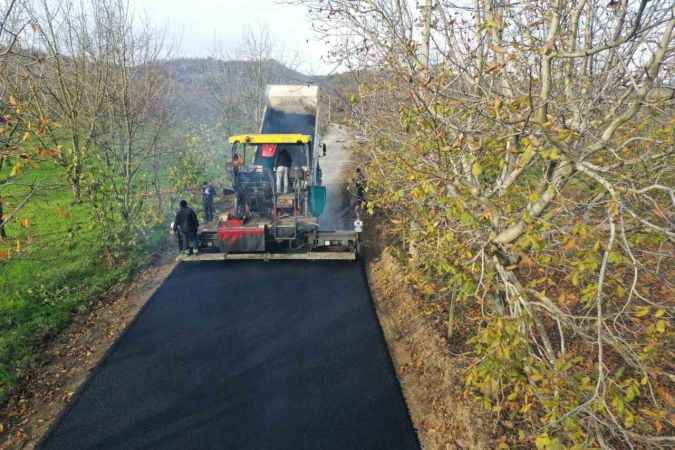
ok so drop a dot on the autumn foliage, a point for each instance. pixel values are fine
(521, 159)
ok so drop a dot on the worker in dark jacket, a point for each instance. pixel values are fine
(186, 223)
(360, 187)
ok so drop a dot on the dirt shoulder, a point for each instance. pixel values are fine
(66, 361)
(431, 378)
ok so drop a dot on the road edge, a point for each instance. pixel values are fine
(430, 378)
(363, 263)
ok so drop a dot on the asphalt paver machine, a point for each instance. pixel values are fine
(266, 221)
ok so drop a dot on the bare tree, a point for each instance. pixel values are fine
(14, 126)
(136, 111)
(63, 86)
(95, 88)
(10, 30)
(11, 27)
(257, 47)
(240, 75)
(530, 163)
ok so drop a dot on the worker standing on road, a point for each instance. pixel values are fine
(3, 235)
(186, 223)
(283, 166)
(208, 192)
(360, 187)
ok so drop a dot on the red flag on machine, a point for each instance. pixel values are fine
(268, 150)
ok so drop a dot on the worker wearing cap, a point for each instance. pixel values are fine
(186, 223)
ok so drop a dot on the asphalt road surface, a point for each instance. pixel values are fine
(246, 355)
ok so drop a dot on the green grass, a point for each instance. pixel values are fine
(55, 270)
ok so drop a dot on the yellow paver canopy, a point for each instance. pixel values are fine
(271, 138)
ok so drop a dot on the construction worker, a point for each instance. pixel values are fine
(208, 192)
(360, 186)
(283, 166)
(237, 163)
(186, 223)
(3, 235)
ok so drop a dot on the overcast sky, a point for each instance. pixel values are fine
(199, 23)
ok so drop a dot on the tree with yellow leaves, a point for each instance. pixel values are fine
(523, 166)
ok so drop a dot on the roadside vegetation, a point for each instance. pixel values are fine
(83, 109)
(52, 267)
(520, 166)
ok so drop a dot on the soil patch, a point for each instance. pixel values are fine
(66, 361)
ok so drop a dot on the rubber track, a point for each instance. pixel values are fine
(246, 355)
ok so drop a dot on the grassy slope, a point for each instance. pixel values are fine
(56, 272)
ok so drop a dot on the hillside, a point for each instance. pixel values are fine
(214, 92)
(229, 94)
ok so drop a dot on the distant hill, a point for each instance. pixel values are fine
(190, 70)
(214, 92)
(229, 94)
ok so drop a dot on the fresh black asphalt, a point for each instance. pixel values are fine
(246, 355)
